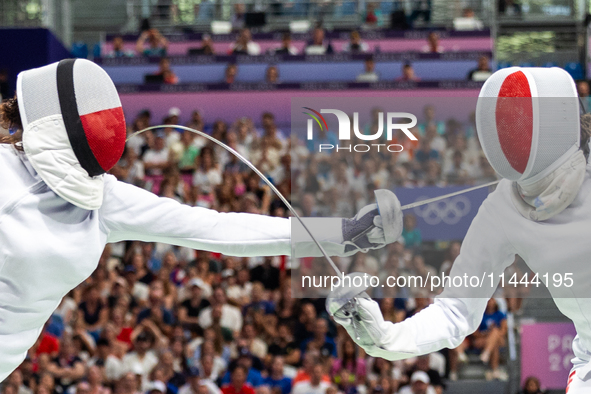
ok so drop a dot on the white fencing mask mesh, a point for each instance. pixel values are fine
(528, 121)
(73, 127)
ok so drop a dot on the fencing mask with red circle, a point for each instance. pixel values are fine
(528, 121)
(73, 127)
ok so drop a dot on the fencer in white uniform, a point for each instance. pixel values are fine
(58, 208)
(528, 123)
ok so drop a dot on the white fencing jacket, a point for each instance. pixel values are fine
(561, 244)
(49, 246)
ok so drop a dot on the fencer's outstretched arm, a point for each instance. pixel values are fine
(131, 213)
(458, 311)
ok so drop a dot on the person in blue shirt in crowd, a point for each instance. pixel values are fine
(251, 363)
(276, 377)
(410, 232)
(320, 340)
(490, 338)
(323, 137)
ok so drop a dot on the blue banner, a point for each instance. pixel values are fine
(444, 220)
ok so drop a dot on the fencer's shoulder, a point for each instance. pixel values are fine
(499, 203)
(7, 156)
(501, 194)
(8, 152)
(110, 182)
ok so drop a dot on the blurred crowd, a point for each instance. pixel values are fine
(162, 319)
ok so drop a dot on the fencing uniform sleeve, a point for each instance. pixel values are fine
(454, 315)
(131, 213)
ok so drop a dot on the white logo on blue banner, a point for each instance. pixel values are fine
(448, 211)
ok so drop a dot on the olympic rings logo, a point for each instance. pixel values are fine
(448, 211)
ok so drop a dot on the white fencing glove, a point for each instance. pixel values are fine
(375, 225)
(352, 308)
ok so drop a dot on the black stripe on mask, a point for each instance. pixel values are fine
(69, 108)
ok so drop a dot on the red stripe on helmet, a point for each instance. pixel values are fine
(514, 120)
(105, 132)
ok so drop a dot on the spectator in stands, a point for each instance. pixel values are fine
(423, 364)
(452, 252)
(408, 74)
(459, 171)
(267, 274)
(104, 358)
(410, 232)
(194, 384)
(509, 7)
(238, 384)
(283, 343)
(373, 15)
(531, 386)
(355, 45)
(92, 311)
(258, 300)
(433, 45)
(188, 153)
(286, 48)
(250, 341)
(429, 114)
(206, 47)
(157, 43)
(67, 368)
(142, 359)
(425, 152)
(16, 379)
(419, 384)
(277, 377)
(437, 141)
(315, 385)
(168, 76)
(583, 90)
(238, 16)
(95, 380)
(119, 49)
(482, 72)
(248, 361)
(208, 174)
(320, 340)
(173, 117)
(130, 169)
(189, 309)
(468, 21)
(369, 74)
(271, 130)
(222, 313)
(350, 360)
(272, 75)
(230, 73)
(196, 122)
(244, 44)
(420, 9)
(156, 159)
(318, 46)
(489, 338)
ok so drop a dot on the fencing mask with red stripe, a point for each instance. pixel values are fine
(528, 121)
(73, 127)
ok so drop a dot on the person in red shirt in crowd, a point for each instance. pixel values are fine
(168, 76)
(47, 343)
(238, 383)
